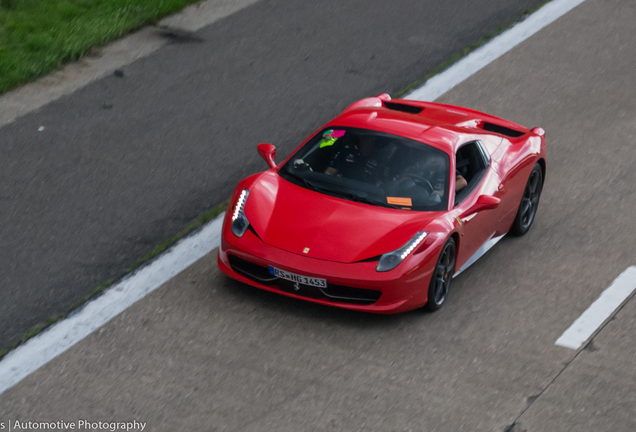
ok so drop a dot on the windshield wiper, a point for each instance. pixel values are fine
(351, 196)
(305, 181)
(363, 199)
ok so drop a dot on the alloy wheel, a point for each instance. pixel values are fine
(444, 274)
(530, 200)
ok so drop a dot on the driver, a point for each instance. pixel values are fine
(358, 162)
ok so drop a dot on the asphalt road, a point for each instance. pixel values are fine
(99, 187)
(204, 352)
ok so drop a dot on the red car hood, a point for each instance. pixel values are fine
(313, 224)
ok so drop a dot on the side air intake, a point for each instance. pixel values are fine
(490, 127)
(402, 107)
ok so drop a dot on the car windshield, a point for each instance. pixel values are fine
(372, 167)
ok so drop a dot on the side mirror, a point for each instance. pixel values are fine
(484, 202)
(268, 152)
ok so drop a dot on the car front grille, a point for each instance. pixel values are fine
(333, 293)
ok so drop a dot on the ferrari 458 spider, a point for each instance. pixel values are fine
(383, 206)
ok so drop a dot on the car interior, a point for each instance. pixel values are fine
(392, 167)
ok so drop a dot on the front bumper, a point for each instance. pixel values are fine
(354, 286)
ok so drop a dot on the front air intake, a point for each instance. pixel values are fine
(332, 293)
(251, 270)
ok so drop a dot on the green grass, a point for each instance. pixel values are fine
(38, 36)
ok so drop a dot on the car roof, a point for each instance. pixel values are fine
(444, 126)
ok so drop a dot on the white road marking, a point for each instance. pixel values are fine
(585, 325)
(473, 62)
(38, 351)
(60, 337)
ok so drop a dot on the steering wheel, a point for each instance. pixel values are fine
(301, 165)
(421, 181)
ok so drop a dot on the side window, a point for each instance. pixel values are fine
(472, 163)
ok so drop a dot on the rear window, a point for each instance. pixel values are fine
(372, 167)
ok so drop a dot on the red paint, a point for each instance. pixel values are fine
(267, 152)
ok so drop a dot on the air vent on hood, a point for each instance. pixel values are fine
(402, 107)
(490, 127)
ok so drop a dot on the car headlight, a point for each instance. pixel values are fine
(239, 220)
(390, 260)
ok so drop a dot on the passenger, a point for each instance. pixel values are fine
(436, 166)
(460, 182)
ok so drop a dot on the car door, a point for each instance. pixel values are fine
(472, 161)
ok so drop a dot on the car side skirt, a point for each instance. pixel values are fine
(479, 253)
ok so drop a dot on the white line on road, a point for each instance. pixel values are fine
(43, 348)
(60, 337)
(585, 326)
(473, 62)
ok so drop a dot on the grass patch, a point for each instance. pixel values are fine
(38, 36)
(38, 328)
(470, 48)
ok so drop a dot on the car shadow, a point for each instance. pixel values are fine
(306, 310)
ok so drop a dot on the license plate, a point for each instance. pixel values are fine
(300, 279)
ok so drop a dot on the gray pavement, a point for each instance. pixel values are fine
(126, 163)
(207, 353)
(597, 392)
(204, 352)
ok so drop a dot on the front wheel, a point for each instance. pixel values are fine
(529, 202)
(442, 276)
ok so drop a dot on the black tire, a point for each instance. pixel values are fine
(442, 276)
(529, 202)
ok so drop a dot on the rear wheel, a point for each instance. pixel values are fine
(529, 202)
(442, 276)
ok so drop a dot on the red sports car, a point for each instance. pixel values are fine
(384, 205)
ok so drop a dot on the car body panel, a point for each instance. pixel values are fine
(477, 228)
(294, 219)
